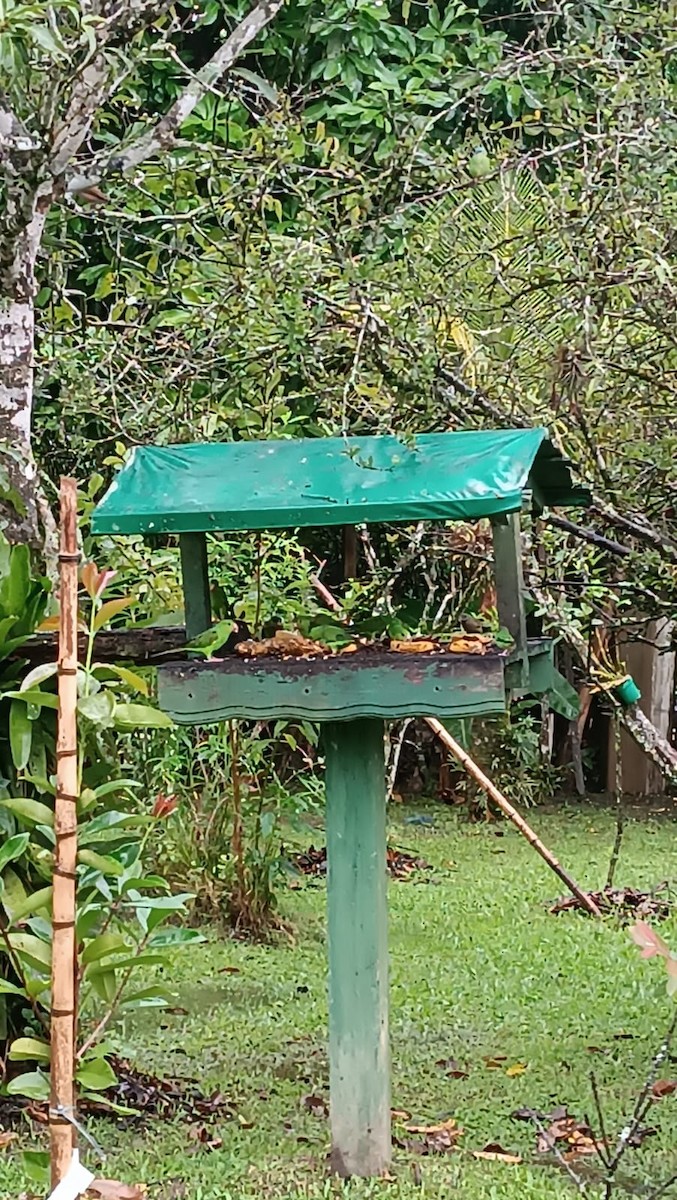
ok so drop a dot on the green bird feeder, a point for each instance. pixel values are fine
(195, 490)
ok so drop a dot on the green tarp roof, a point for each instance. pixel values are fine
(334, 481)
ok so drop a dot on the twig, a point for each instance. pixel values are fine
(604, 1155)
(615, 853)
(396, 751)
(512, 814)
(558, 1154)
(640, 1110)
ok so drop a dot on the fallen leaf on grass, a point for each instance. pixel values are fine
(112, 1189)
(517, 1068)
(493, 1152)
(317, 1105)
(494, 1062)
(662, 1087)
(440, 1127)
(229, 971)
(452, 1068)
(567, 1133)
(205, 1137)
(399, 1114)
(433, 1139)
(6, 1138)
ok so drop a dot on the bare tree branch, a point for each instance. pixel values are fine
(162, 135)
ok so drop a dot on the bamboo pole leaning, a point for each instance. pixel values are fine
(512, 814)
(63, 1015)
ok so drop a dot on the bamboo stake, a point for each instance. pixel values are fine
(511, 813)
(63, 1016)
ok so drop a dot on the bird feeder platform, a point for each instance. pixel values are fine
(196, 490)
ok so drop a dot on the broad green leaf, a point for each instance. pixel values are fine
(11, 989)
(173, 936)
(102, 947)
(16, 584)
(137, 716)
(33, 1084)
(36, 697)
(146, 881)
(29, 1048)
(13, 892)
(36, 952)
(33, 904)
(134, 681)
(103, 983)
(31, 812)
(13, 848)
(144, 959)
(155, 996)
(99, 827)
(38, 675)
(35, 1165)
(116, 785)
(96, 1075)
(20, 734)
(100, 862)
(98, 708)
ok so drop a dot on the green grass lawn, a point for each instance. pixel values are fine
(478, 969)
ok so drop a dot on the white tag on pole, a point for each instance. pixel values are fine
(76, 1181)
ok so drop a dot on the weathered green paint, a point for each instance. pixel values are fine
(195, 573)
(509, 577)
(337, 688)
(359, 1051)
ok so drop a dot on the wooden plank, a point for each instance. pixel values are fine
(337, 688)
(510, 583)
(359, 1052)
(111, 645)
(195, 573)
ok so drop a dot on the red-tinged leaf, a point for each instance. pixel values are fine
(89, 578)
(110, 609)
(663, 1087)
(164, 805)
(49, 624)
(649, 942)
(105, 577)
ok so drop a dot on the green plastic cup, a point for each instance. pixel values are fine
(627, 691)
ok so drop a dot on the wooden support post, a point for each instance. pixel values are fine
(510, 583)
(359, 1050)
(63, 1016)
(195, 573)
(349, 552)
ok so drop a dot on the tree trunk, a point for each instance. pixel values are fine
(21, 508)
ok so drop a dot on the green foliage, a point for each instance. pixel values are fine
(122, 910)
(232, 813)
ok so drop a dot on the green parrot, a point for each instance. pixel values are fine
(212, 639)
(480, 165)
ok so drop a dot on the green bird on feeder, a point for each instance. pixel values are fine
(212, 639)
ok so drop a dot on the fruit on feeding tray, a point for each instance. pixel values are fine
(286, 644)
(291, 645)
